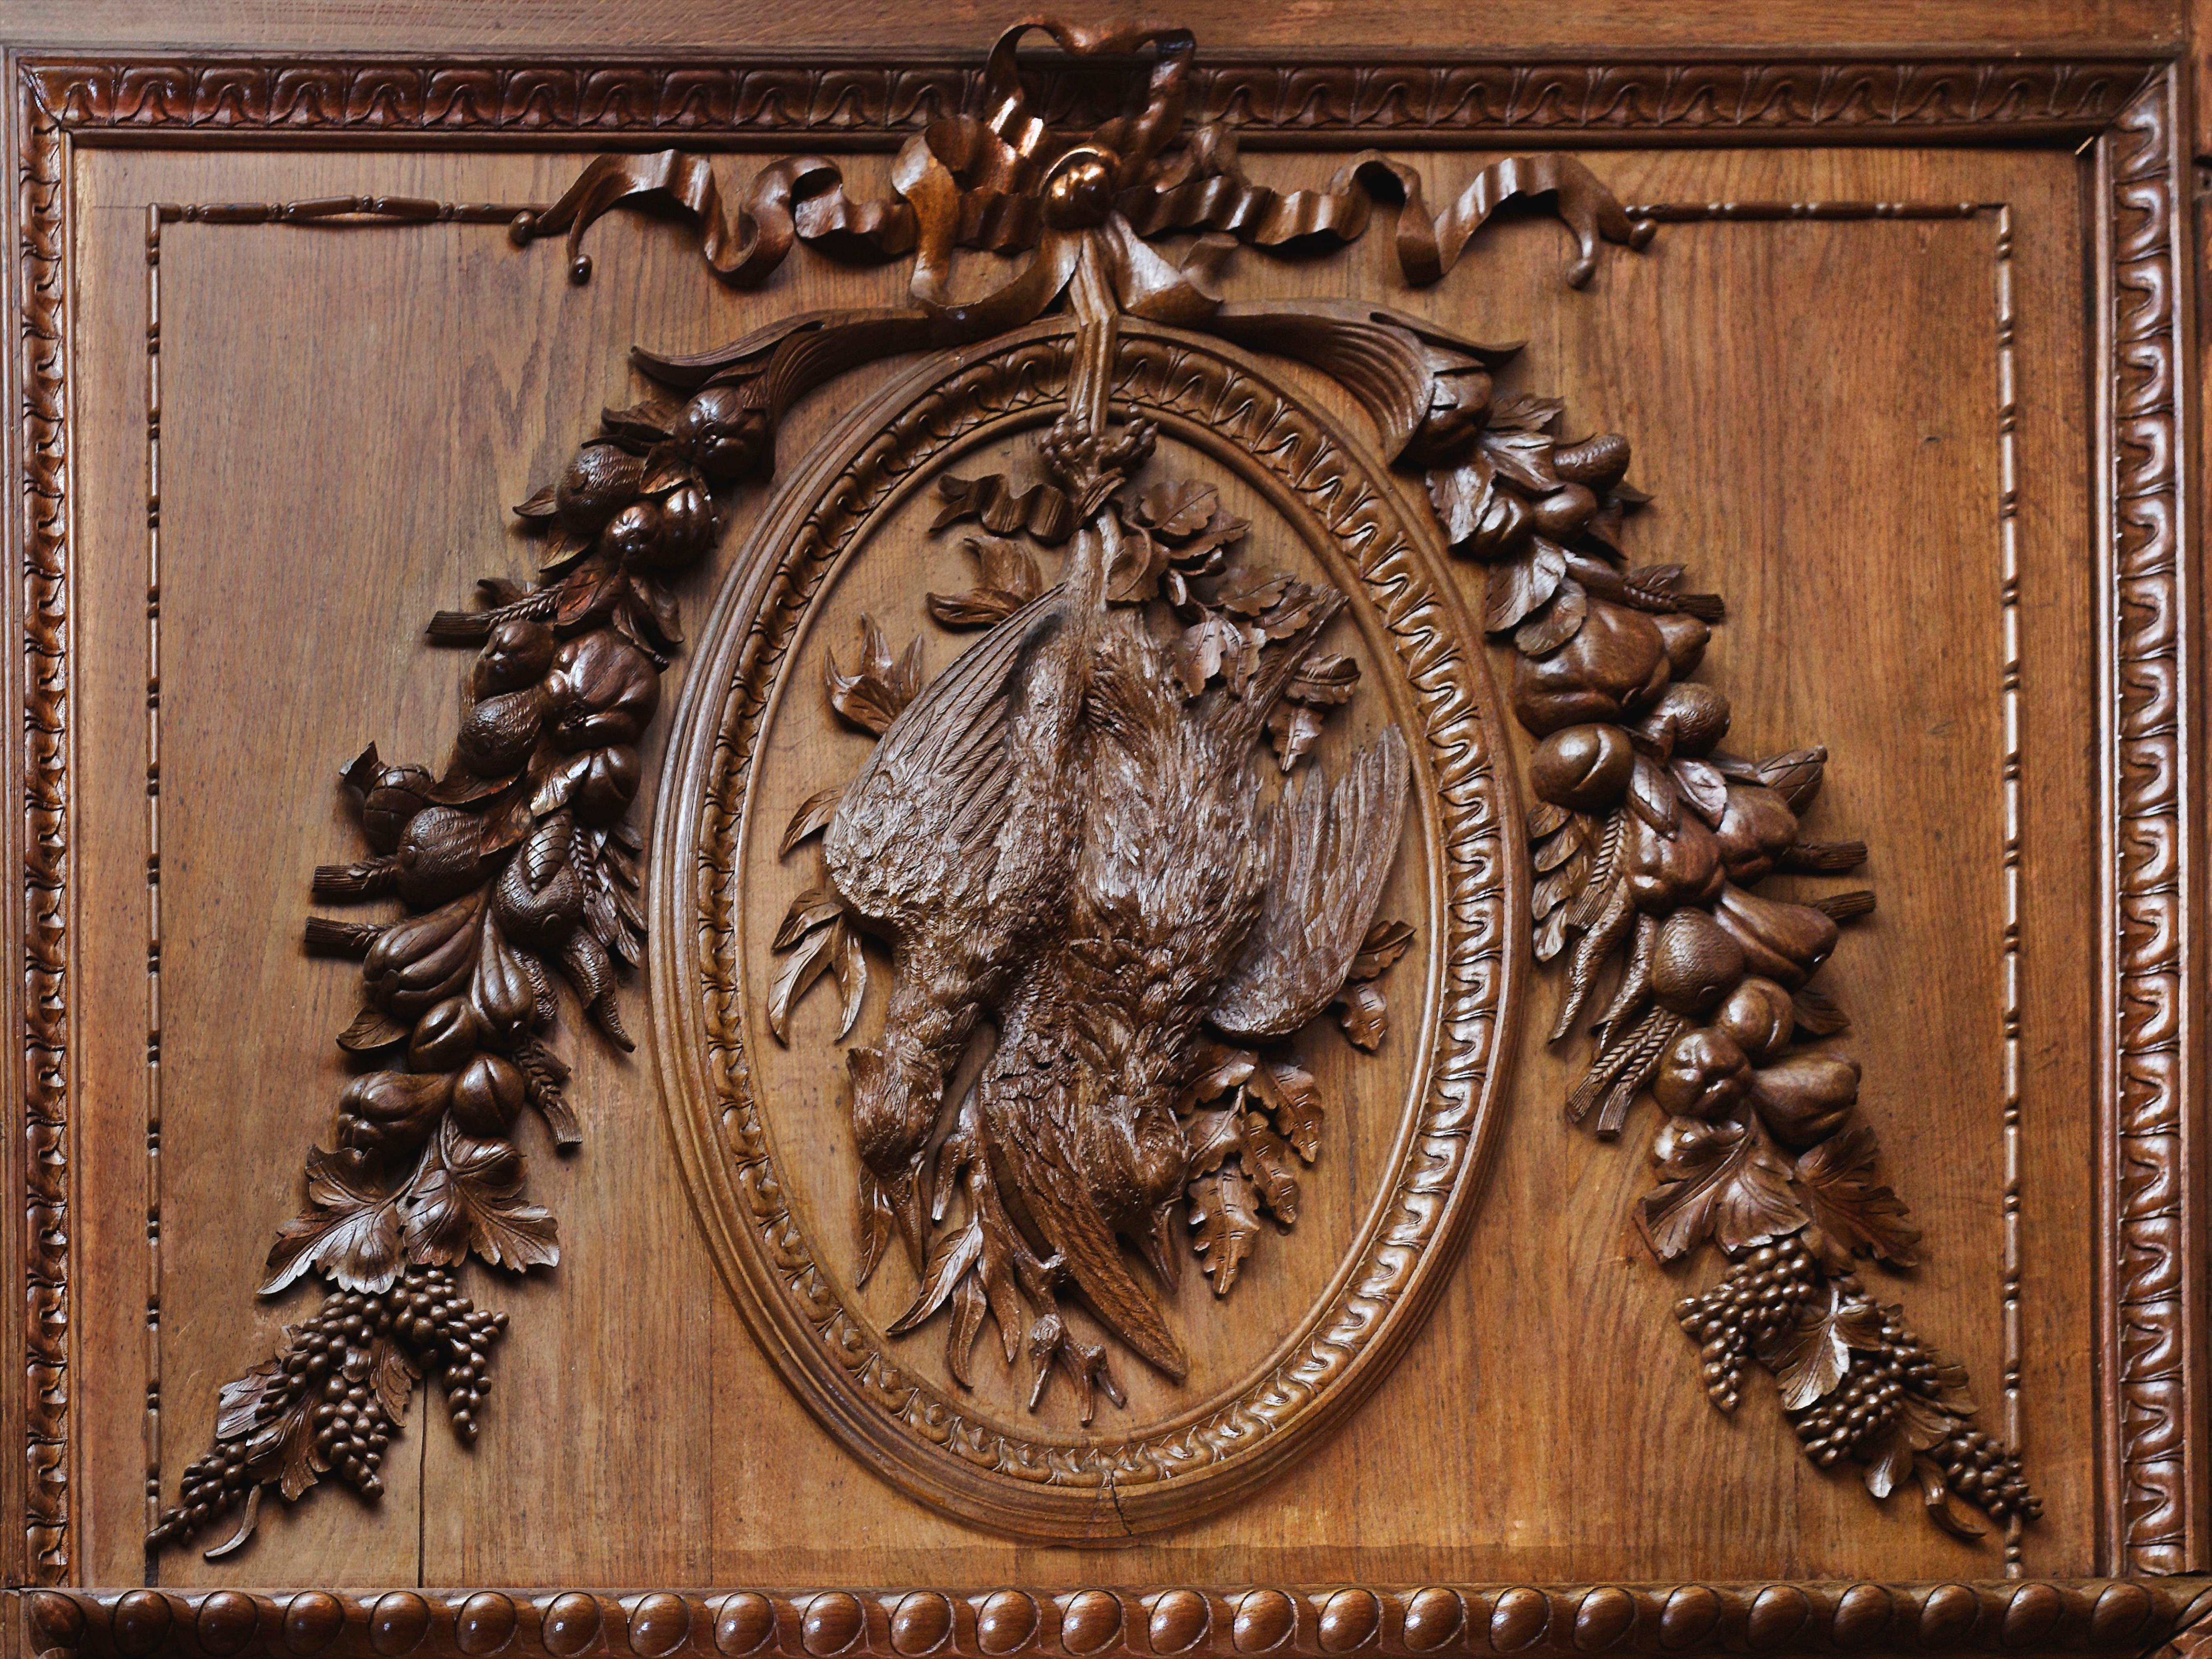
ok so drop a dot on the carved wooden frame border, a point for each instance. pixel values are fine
(2125, 106)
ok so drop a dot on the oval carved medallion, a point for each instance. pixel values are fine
(1098, 1204)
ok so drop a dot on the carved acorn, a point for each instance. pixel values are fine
(1757, 828)
(1612, 668)
(1705, 1074)
(438, 857)
(1600, 461)
(1585, 767)
(1759, 1017)
(539, 898)
(604, 690)
(1666, 871)
(392, 1111)
(445, 1036)
(1694, 965)
(601, 479)
(487, 1096)
(1688, 718)
(395, 795)
(1805, 1099)
(1781, 941)
(498, 733)
(518, 651)
(724, 437)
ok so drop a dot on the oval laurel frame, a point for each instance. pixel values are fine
(1056, 1487)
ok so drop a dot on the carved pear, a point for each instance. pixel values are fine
(1805, 1099)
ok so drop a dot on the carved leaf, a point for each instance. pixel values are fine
(1459, 494)
(1363, 1012)
(1274, 1168)
(1226, 1224)
(879, 690)
(1724, 1182)
(805, 964)
(1291, 1096)
(1808, 1361)
(1524, 457)
(812, 908)
(812, 817)
(850, 964)
(949, 1263)
(979, 607)
(392, 1374)
(1520, 583)
(350, 1230)
(1652, 795)
(1207, 647)
(1324, 681)
(467, 1199)
(1385, 943)
(238, 1405)
(1523, 412)
(1937, 1496)
(1838, 1180)
(1178, 507)
(1293, 728)
(1890, 1462)
(1212, 1137)
(1552, 625)
(1220, 1068)
(969, 1305)
(1924, 1427)
(1704, 788)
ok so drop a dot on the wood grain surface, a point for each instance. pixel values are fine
(349, 413)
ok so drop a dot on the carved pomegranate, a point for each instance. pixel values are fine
(604, 690)
(724, 437)
(1705, 1073)
(518, 651)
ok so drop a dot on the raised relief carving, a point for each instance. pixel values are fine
(1114, 943)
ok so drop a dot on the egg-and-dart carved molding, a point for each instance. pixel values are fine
(2029, 1616)
(2146, 1330)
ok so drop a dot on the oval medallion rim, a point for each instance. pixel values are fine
(1473, 892)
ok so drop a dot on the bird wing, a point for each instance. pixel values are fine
(1043, 1166)
(936, 786)
(1327, 854)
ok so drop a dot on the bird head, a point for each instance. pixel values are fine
(895, 1096)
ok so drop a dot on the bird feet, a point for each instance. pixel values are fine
(1091, 465)
(1051, 1340)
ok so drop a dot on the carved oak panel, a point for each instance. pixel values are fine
(979, 945)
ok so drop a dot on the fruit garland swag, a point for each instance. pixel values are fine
(514, 865)
(1649, 840)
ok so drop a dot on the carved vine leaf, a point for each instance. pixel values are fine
(516, 875)
(1722, 1181)
(1649, 841)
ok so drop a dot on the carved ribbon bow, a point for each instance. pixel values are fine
(1004, 183)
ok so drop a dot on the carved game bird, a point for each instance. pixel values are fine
(1188, 900)
(955, 842)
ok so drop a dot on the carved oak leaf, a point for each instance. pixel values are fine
(467, 1198)
(1274, 1167)
(1007, 579)
(1212, 1137)
(1808, 1360)
(1292, 1098)
(1523, 412)
(1386, 941)
(1211, 646)
(1723, 1181)
(1837, 1180)
(1363, 1012)
(1225, 1223)
(351, 1231)
(874, 695)
(1178, 507)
